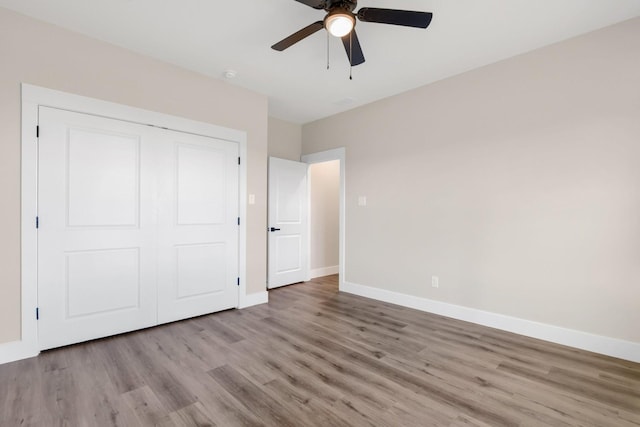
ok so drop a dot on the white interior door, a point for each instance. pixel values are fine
(137, 226)
(198, 227)
(96, 237)
(288, 222)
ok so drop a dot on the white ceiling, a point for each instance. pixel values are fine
(210, 36)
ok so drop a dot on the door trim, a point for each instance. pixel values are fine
(32, 98)
(326, 156)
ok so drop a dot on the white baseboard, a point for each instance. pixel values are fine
(596, 343)
(324, 271)
(254, 299)
(16, 350)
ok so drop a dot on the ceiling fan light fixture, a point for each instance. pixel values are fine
(339, 23)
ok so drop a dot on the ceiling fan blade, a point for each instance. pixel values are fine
(296, 37)
(316, 4)
(407, 18)
(352, 46)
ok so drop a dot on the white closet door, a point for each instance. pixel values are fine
(198, 233)
(96, 238)
(138, 226)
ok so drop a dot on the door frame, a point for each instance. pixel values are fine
(32, 98)
(326, 156)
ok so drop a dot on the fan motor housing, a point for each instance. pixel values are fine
(348, 5)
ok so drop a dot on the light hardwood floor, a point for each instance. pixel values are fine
(316, 357)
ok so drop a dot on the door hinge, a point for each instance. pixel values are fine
(238, 281)
(238, 160)
(37, 313)
(238, 220)
(37, 222)
(37, 131)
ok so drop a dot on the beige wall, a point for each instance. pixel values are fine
(324, 214)
(285, 139)
(517, 184)
(45, 55)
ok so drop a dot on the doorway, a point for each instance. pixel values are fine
(298, 257)
(324, 218)
(329, 163)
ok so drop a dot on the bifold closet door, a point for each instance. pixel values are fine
(96, 236)
(198, 226)
(137, 226)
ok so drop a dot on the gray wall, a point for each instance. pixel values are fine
(517, 184)
(285, 139)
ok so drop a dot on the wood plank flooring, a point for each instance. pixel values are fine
(316, 357)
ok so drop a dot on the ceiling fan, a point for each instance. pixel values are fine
(340, 21)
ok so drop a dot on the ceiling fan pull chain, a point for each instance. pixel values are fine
(327, 50)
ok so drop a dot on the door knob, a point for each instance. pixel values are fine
(272, 229)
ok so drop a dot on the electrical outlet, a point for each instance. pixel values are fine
(434, 282)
